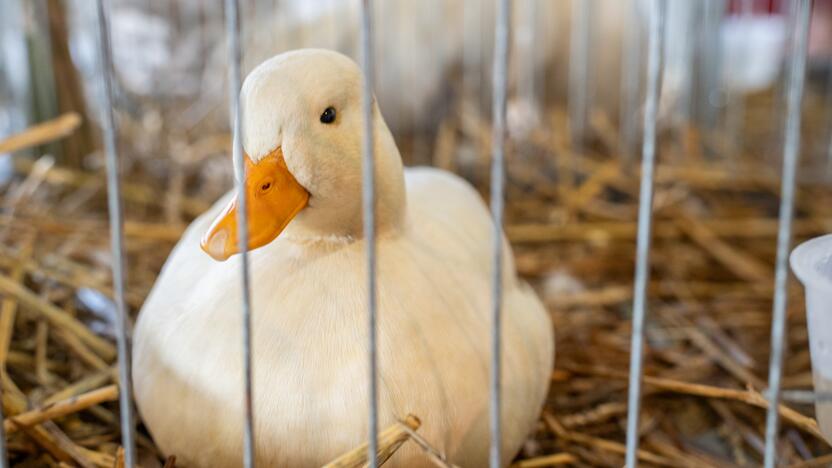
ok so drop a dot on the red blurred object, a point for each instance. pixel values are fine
(759, 7)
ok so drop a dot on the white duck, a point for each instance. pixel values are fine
(302, 143)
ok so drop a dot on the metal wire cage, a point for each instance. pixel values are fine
(657, 20)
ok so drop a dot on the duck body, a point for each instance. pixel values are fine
(309, 344)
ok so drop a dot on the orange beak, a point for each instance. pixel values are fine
(273, 198)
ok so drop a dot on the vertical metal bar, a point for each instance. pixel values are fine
(791, 153)
(645, 208)
(709, 46)
(579, 46)
(630, 74)
(369, 209)
(108, 124)
(525, 39)
(471, 49)
(232, 31)
(497, 188)
(735, 113)
(681, 52)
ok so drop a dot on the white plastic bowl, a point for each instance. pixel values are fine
(812, 264)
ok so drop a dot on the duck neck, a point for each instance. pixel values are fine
(390, 198)
(340, 219)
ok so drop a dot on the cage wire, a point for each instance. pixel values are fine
(368, 196)
(116, 236)
(578, 109)
(497, 205)
(232, 23)
(791, 148)
(645, 218)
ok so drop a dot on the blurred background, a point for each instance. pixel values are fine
(575, 113)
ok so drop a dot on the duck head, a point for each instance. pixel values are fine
(302, 140)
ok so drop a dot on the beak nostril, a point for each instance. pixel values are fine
(216, 245)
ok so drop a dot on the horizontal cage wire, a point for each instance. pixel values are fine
(678, 259)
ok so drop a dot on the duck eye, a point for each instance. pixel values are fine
(328, 116)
